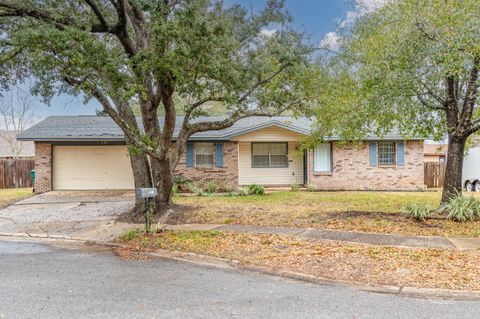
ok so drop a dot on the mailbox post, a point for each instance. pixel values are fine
(147, 194)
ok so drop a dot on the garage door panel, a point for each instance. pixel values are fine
(91, 167)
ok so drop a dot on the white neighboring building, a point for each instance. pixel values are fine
(471, 169)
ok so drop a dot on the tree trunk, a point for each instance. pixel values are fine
(453, 170)
(163, 180)
(142, 179)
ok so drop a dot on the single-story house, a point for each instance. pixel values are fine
(89, 152)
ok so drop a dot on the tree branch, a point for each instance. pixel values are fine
(98, 13)
(471, 94)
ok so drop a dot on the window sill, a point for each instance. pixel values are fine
(322, 173)
(209, 169)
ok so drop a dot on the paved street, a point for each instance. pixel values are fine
(44, 281)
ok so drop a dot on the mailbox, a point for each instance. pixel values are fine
(145, 192)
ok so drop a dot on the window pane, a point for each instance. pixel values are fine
(204, 160)
(260, 161)
(277, 148)
(204, 154)
(269, 155)
(322, 158)
(278, 160)
(386, 153)
(260, 148)
(204, 148)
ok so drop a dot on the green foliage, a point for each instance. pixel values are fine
(211, 186)
(242, 191)
(462, 209)
(228, 188)
(175, 189)
(132, 234)
(294, 187)
(392, 69)
(311, 187)
(255, 189)
(203, 39)
(180, 183)
(417, 211)
(145, 242)
(195, 189)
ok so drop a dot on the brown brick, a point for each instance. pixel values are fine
(226, 175)
(352, 171)
(43, 167)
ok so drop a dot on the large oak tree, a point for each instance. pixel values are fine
(152, 54)
(411, 65)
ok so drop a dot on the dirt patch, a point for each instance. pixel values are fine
(426, 268)
(174, 215)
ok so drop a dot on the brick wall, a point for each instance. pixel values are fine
(351, 170)
(226, 175)
(43, 167)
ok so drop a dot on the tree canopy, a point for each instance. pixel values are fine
(411, 66)
(153, 54)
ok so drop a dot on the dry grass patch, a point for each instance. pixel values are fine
(431, 268)
(356, 211)
(12, 195)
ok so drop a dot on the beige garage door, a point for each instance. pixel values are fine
(91, 167)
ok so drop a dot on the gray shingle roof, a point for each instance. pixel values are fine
(92, 128)
(102, 128)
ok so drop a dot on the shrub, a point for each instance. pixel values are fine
(228, 188)
(175, 189)
(418, 211)
(255, 189)
(295, 187)
(462, 209)
(311, 187)
(242, 191)
(195, 189)
(211, 186)
(180, 183)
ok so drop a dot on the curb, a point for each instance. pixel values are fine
(231, 264)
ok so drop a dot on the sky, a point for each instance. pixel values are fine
(319, 19)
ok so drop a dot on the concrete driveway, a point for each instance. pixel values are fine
(88, 215)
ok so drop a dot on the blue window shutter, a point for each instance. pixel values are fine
(189, 154)
(373, 154)
(219, 155)
(400, 154)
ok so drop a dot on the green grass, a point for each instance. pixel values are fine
(357, 211)
(132, 234)
(11, 195)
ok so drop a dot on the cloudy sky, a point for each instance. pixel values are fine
(318, 18)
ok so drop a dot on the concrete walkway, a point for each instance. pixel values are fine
(344, 236)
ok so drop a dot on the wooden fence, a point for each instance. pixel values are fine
(434, 174)
(15, 173)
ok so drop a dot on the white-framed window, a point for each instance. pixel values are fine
(386, 153)
(322, 158)
(204, 153)
(269, 154)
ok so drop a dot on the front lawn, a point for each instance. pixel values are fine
(431, 268)
(12, 195)
(357, 211)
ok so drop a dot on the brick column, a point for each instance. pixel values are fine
(43, 167)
